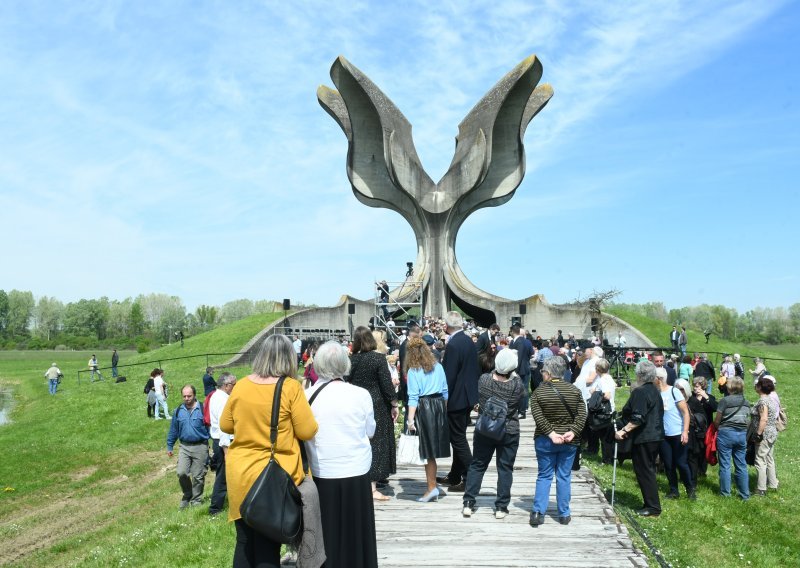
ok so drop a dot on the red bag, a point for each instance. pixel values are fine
(711, 444)
(206, 406)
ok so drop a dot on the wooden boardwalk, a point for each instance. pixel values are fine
(435, 534)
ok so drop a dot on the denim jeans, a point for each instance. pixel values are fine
(161, 401)
(553, 459)
(114, 374)
(482, 450)
(53, 385)
(674, 456)
(732, 442)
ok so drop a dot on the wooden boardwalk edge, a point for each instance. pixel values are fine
(435, 534)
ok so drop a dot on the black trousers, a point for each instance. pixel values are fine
(644, 466)
(254, 550)
(462, 455)
(220, 485)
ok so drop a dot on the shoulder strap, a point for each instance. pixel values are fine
(316, 393)
(276, 408)
(564, 402)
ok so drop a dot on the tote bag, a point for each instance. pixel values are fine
(273, 506)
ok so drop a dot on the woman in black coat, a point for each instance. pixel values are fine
(370, 370)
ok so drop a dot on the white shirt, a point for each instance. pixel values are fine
(606, 385)
(580, 382)
(298, 345)
(158, 385)
(215, 408)
(346, 421)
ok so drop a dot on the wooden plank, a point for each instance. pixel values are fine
(437, 535)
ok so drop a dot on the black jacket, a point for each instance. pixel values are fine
(460, 364)
(645, 409)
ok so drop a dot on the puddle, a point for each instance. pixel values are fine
(5, 406)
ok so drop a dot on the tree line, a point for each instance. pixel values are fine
(770, 325)
(142, 322)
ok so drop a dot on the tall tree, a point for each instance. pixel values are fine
(20, 312)
(3, 312)
(48, 315)
(236, 310)
(136, 321)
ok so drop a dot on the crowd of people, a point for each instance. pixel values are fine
(336, 426)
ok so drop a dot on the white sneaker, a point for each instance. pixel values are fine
(169, 417)
(499, 514)
(467, 512)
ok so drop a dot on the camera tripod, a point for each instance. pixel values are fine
(618, 367)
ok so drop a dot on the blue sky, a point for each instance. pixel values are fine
(178, 147)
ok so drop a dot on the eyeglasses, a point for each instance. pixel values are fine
(227, 384)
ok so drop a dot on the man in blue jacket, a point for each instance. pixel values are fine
(188, 428)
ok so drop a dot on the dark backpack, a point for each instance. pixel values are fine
(493, 417)
(599, 411)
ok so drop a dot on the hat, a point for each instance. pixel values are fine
(429, 339)
(54, 365)
(506, 361)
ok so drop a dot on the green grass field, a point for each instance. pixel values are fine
(714, 531)
(87, 481)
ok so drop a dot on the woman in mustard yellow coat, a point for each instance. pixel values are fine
(247, 417)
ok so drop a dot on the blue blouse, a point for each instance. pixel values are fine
(421, 383)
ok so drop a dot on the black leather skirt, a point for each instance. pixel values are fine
(434, 432)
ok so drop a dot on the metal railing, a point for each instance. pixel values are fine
(155, 362)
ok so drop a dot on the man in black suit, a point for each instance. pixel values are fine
(524, 349)
(460, 364)
(487, 338)
(673, 338)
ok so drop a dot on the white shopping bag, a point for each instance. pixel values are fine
(408, 450)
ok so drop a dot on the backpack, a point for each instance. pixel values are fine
(599, 411)
(206, 411)
(493, 417)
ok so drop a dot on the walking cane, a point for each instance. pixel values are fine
(614, 474)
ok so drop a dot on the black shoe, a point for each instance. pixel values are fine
(692, 495)
(647, 513)
(536, 519)
(564, 520)
(457, 488)
(444, 480)
(522, 416)
(672, 495)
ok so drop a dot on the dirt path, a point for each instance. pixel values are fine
(36, 526)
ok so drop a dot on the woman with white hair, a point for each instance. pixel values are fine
(644, 418)
(340, 456)
(503, 384)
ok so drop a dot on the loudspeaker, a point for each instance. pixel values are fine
(516, 320)
(351, 309)
(287, 305)
(595, 324)
(523, 309)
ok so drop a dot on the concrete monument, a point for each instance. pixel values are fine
(488, 165)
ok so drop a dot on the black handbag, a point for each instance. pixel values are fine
(273, 506)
